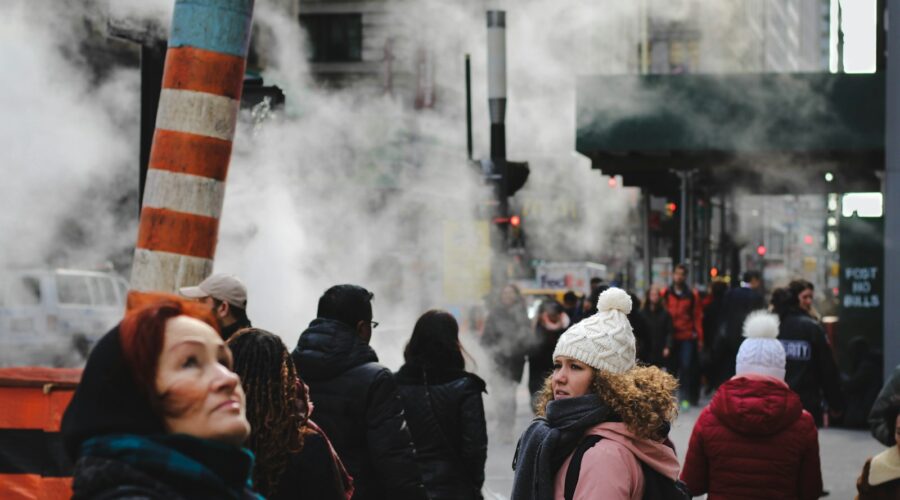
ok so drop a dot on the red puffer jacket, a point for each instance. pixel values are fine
(754, 441)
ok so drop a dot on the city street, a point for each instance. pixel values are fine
(842, 452)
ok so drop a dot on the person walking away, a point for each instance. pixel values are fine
(878, 424)
(356, 398)
(602, 419)
(736, 306)
(683, 304)
(880, 477)
(158, 412)
(641, 330)
(444, 410)
(226, 296)
(862, 382)
(552, 321)
(572, 306)
(811, 370)
(755, 440)
(659, 327)
(293, 458)
(506, 338)
(712, 324)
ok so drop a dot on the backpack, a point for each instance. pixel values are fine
(656, 485)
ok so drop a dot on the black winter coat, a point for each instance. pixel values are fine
(446, 419)
(659, 333)
(358, 406)
(811, 371)
(881, 428)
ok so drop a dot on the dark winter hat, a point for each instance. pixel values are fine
(107, 400)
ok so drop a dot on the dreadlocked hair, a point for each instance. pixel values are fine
(643, 397)
(271, 383)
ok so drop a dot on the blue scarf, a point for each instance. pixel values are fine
(199, 468)
(547, 442)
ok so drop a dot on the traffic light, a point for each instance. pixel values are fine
(761, 250)
(515, 221)
(671, 208)
(509, 176)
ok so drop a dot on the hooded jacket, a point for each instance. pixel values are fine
(753, 441)
(686, 310)
(611, 469)
(359, 408)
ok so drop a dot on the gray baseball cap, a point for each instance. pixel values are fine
(224, 287)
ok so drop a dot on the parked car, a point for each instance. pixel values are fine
(52, 317)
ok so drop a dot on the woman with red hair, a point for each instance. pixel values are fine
(159, 413)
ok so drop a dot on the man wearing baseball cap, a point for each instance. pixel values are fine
(227, 297)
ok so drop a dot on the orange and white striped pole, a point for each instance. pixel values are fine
(195, 123)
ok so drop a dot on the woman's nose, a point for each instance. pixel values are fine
(225, 379)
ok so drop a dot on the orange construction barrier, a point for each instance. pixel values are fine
(33, 461)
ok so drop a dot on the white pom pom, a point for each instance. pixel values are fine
(614, 299)
(761, 325)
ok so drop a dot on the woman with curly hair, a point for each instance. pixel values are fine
(294, 459)
(602, 421)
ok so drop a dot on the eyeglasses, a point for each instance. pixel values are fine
(374, 324)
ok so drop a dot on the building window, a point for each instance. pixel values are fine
(334, 37)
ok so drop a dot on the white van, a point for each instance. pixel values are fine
(52, 317)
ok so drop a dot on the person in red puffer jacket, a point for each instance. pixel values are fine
(686, 309)
(755, 440)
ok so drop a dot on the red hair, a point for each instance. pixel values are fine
(143, 331)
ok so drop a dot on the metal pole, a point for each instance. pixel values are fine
(496, 23)
(468, 107)
(153, 56)
(682, 218)
(892, 194)
(648, 263)
(195, 123)
(496, 69)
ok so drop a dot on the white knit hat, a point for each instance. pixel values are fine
(604, 341)
(761, 352)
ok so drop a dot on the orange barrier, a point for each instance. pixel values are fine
(33, 462)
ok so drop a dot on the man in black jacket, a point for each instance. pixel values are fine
(736, 306)
(356, 399)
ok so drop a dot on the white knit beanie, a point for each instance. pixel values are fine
(761, 352)
(604, 341)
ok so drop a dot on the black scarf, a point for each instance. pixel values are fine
(547, 442)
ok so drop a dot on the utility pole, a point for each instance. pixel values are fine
(198, 105)
(892, 193)
(496, 61)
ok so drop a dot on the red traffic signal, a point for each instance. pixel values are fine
(515, 221)
(761, 250)
(671, 207)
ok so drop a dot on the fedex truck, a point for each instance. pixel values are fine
(574, 276)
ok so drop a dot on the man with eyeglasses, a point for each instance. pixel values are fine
(356, 399)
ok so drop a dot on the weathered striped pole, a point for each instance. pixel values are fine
(195, 122)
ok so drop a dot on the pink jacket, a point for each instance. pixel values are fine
(611, 469)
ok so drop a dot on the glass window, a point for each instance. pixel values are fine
(73, 289)
(24, 291)
(104, 292)
(334, 37)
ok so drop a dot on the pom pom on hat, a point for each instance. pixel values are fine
(760, 325)
(604, 341)
(761, 352)
(614, 299)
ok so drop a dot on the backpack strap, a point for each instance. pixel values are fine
(574, 468)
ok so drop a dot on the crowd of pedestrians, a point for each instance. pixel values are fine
(185, 399)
